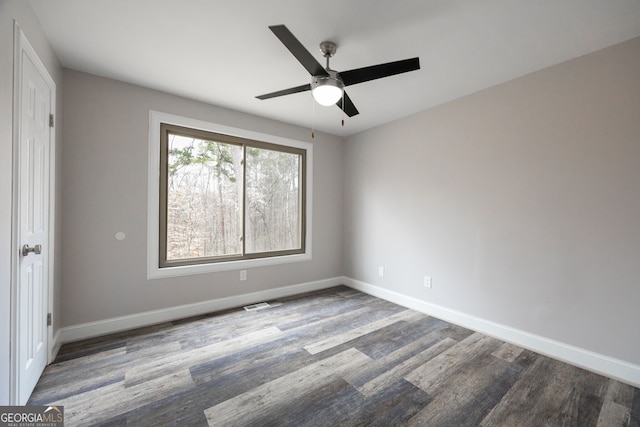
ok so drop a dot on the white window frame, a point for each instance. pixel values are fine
(153, 202)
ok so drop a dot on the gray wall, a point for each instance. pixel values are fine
(105, 191)
(20, 11)
(521, 201)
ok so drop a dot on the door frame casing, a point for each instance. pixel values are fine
(22, 45)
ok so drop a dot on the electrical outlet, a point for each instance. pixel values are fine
(427, 281)
(381, 271)
(243, 274)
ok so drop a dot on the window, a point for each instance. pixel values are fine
(226, 198)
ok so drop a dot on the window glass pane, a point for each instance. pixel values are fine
(204, 198)
(273, 217)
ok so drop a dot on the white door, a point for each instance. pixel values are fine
(33, 200)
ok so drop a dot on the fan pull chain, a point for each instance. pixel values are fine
(343, 107)
(313, 118)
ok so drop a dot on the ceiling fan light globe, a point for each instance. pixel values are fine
(327, 90)
(327, 95)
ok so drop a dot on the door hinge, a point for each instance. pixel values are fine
(48, 319)
(51, 120)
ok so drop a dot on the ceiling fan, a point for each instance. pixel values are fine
(328, 85)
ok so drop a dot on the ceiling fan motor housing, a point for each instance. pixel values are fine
(332, 79)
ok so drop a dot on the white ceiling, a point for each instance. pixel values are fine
(222, 52)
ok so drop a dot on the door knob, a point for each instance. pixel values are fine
(26, 250)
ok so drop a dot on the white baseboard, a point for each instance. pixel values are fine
(123, 323)
(613, 368)
(55, 347)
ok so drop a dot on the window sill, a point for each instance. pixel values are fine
(154, 272)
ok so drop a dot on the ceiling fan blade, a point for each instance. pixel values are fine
(289, 91)
(298, 50)
(365, 74)
(348, 108)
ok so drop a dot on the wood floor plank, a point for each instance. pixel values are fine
(616, 409)
(467, 394)
(321, 407)
(90, 362)
(157, 368)
(551, 393)
(508, 352)
(393, 405)
(352, 308)
(397, 357)
(456, 332)
(342, 321)
(399, 371)
(237, 370)
(250, 406)
(435, 373)
(233, 325)
(97, 405)
(67, 378)
(384, 341)
(619, 393)
(95, 345)
(183, 408)
(613, 415)
(342, 338)
(635, 409)
(79, 375)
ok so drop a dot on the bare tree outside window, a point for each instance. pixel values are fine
(273, 199)
(204, 198)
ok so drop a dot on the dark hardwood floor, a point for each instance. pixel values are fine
(330, 358)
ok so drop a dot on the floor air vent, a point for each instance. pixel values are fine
(258, 306)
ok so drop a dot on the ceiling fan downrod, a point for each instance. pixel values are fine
(327, 88)
(328, 49)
